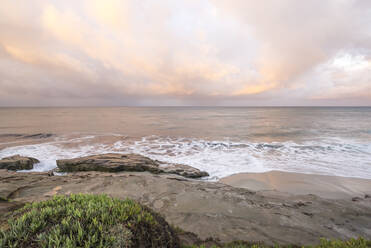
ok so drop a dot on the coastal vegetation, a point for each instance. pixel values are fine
(101, 221)
(87, 221)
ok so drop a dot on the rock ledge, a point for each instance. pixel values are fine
(114, 162)
(18, 162)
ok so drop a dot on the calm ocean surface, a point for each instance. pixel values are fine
(220, 140)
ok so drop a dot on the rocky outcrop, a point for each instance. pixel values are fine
(18, 162)
(183, 170)
(208, 209)
(113, 162)
(110, 162)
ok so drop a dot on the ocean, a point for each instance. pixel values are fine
(219, 140)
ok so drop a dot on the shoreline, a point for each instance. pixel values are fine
(257, 212)
(330, 187)
(206, 209)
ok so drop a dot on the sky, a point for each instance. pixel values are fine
(185, 52)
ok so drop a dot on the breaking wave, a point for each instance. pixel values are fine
(327, 156)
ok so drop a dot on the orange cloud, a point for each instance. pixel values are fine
(254, 89)
(20, 54)
(112, 13)
(210, 49)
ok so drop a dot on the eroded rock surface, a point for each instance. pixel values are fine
(208, 209)
(18, 162)
(110, 162)
(183, 170)
(113, 162)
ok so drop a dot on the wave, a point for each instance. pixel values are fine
(327, 156)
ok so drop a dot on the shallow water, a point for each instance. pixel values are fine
(222, 141)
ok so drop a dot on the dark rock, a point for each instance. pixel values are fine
(308, 214)
(113, 162)
(356, 198)
(184, 170)
(53, 172)
(18, 162)
(110, 162)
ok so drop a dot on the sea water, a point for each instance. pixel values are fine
(219, 140)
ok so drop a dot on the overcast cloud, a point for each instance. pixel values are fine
(191, 52)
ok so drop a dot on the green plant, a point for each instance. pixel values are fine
(87, 221)
(351, 243)
(101, 221)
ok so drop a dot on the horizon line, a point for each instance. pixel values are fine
(193, 106)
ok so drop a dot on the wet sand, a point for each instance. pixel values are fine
(331, 187)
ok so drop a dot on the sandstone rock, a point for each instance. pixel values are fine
(110, 162)
(183, 170)
(113, 162)
(18, 162)
(208, 209)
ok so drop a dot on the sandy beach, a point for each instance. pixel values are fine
(331, 187)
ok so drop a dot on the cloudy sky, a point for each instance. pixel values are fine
(186, 52)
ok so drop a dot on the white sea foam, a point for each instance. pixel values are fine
(218, 158)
